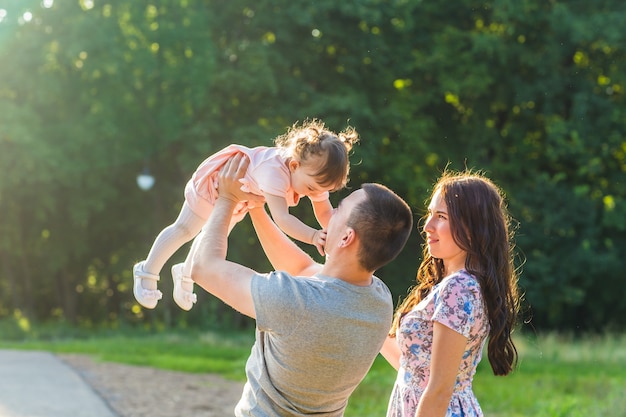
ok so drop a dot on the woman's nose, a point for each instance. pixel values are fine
(428, 225)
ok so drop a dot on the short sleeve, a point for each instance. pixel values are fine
(272, 177)
(323, 196)
(279, 301)
(457, 304)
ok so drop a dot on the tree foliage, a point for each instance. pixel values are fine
(530, 92)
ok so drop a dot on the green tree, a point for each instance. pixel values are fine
(530, 92)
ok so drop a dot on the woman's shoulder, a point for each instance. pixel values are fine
(461, 278)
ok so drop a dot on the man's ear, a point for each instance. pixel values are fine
(348, 238)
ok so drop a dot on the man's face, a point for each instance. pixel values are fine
(339, 219)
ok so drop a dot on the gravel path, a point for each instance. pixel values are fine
(136, 391)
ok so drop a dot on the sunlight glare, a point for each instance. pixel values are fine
(86, 4)
(3, 14)
(47, 3)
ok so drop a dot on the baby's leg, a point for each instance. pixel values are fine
(185, 228)
(146, 273)
(194, 246)
(181, 274)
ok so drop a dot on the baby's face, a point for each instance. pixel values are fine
(304, 181)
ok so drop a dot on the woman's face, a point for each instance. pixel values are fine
(441, 245)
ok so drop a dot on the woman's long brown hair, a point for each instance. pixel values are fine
(481, 226)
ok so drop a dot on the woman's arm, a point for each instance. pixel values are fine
(391, 352)
(447, 353)
(293, 226)
(281, 251)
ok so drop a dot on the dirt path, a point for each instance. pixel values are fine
(136, 391)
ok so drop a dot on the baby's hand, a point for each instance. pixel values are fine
(319, 240)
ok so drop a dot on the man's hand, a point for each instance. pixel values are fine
(229, 185)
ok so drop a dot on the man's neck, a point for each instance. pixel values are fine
(347, 272)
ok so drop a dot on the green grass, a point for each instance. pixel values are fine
(558, 376)
(198, 352)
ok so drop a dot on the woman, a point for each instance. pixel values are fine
(466, 293)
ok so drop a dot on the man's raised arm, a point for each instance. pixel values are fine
(228, 281)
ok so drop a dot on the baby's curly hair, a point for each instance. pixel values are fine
(313, 139)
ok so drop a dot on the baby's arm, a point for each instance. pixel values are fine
(293, 226)
(322, 210)
(281, 251)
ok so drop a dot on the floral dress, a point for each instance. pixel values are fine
(457, 303)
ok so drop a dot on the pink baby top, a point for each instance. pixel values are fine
(457, 303)
(267, 173)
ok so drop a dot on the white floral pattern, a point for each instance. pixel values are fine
(457, 303)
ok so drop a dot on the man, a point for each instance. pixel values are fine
(319, 327)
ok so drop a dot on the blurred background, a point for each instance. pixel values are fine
(107, 108)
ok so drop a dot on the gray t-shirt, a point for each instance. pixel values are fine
(316, 339)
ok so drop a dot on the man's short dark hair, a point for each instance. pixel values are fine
(383, 223)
